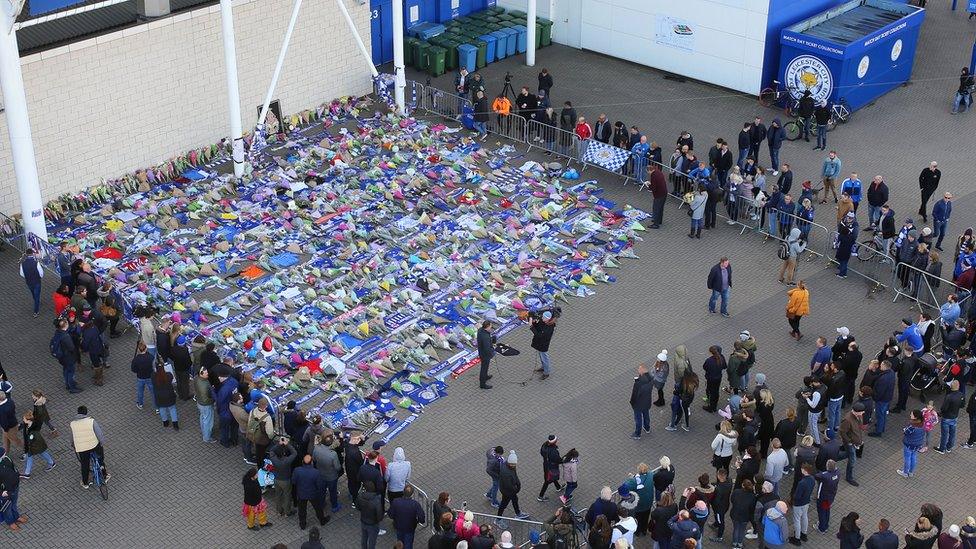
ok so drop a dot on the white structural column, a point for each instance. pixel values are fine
(280, 63)
(359, 39)
(18, 128)
(530, 23)
(233, 90)
(398, 68)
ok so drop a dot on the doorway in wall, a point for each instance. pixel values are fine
(566, 21)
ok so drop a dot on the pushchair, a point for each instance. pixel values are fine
(927, 374)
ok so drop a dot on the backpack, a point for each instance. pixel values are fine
(784, 250)
(55, 347)
(256, 432)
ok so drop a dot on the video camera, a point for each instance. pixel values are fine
(536, 315)
(508, 77)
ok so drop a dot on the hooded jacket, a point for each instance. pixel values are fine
(775, 528)
(681, 362)
(682, 530)
(283, 463)
(923, 539)
(641, 395)
(508, 481)
(882, 540)
(775, 136)
(795, 243)
(398, 471)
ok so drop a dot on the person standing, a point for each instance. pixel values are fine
(928, 182)
(949, 414)
(407, 514)
(509, 485)
(542, 330)
(829, 480)
(659, 192)
(64, 260)
(502, 107)
(550, 466)
(877, 197)
(971, 411)
(794, 247)
(282, 456)
(639, 154)
(913, 440)
(545, 82)
(33, 274)
(369, 503)
(698, 207)
(847, 231)
(822, 117)
(775, 137)
(941, 212)
(260, 429)
(308, 488)
(852, 188)
(142, 367)
(883, 392)
(744, 143)
(9, 423)
(641, 397)
(723, 163)
(798, 306)
(816, 400)
(165, 397)
(757, 134)
(602, 131)
(884, 538)
(831, 170)
(486, 350)
(714, 366)
(327, 463)
(801, 504)
(720, 283)
(461, 82)
(852, 435)
(964, 94)
(397, 474)
(481, 114)
(805, 112)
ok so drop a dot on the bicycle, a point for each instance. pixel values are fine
(872, 248)
(840, 113)
(793, 128)
(776, 95)
(96, 476)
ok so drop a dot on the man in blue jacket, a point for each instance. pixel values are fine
(407, 514)
(682, 528)
(852, 186)
(830, 172)
(910, 334)
(33, 274)
(308, 487)
(884, 538)
(720, 283)
(228, 425)
(940, 218)
(884, 392)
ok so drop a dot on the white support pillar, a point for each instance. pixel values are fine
(18, 129)
(359, 39)
(233, 90)
(280, 63)
(530, 23)
(398, 68)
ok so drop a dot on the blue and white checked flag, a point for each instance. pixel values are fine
(604, 155)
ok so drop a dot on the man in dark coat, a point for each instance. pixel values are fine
(486, 350)
(407, 514)
(542, 330)
(775, 137)
(805, 112)
(309, 488)
(757, 134)
(720, 283)
(723, 163)
(745, 141)
(883, 391)
(602, 130)
(509, 485)
(641, 398)
(353, 461)
(846, 238)
(527, 104)
(928, 182)
(659, 190)
(785, 181)
(63, 349)
(482, 113)
(877, 197)
(33, 274)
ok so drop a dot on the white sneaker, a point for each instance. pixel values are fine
(382, 532)
(730, 222)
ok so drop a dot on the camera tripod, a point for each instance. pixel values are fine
(508, 88)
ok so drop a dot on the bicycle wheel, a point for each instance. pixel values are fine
(767, 97)
(792, 130)
(867, 250)
(832, 123)
(846, 113)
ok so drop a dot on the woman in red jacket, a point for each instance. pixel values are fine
(62, 299)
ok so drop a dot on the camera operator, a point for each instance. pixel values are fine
(542, 328)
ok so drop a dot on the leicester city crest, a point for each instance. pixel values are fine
(807, 72)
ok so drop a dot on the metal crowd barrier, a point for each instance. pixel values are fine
(867, 260)
(510, 126)
(923, 288)
(555, 140)
(519, 528)
(445, 104)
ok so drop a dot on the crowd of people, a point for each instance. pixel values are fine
(764, 472)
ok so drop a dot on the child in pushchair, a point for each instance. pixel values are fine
(926, 375)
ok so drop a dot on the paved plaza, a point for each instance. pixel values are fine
(170, 489)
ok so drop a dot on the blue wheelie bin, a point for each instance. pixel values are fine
(511, 41)
(522, 42)
(468, 57)
(490, 52)
(501, 44)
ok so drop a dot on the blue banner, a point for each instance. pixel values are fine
(38, 7)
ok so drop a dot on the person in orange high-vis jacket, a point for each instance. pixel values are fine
(502, 107)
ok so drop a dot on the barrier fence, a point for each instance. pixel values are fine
(520, 529)
(555, 140)
(924, 288)
(511, 126)
(446, 104)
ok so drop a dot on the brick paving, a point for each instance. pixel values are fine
(172, 490)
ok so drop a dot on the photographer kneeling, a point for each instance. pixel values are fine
(542, 328)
